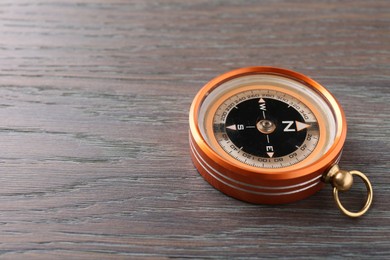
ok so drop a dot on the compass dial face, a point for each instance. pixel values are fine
(266, 121)
(265, 128)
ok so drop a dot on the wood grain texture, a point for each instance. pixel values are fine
(94, 100)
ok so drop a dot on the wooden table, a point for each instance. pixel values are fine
(94, 100)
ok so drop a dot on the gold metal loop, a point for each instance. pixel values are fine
(368, 201)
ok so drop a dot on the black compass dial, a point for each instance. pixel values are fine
(266, 128)
(253, 115)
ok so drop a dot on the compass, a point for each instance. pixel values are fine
(269, 135)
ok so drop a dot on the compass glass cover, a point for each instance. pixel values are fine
(267, 121)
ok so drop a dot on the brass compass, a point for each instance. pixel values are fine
(270, 135)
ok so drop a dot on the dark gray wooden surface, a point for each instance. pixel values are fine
(94, 100)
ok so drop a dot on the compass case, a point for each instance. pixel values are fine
(255, 187)
(257, 184)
